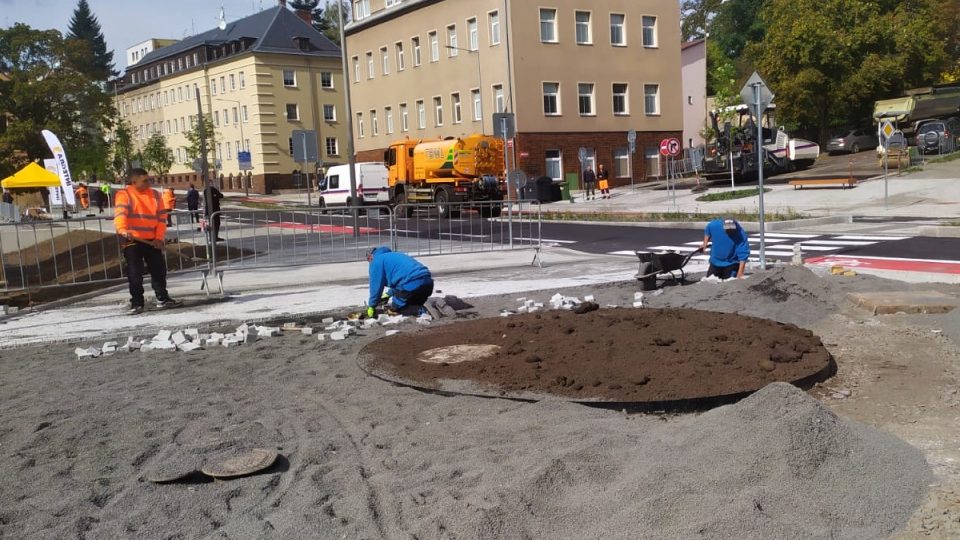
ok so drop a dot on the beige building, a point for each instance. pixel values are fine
(260, 78)
(576, 73)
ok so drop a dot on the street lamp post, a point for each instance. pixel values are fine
(479, 79)
(246, 184)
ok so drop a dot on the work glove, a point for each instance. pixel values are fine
(371, 312)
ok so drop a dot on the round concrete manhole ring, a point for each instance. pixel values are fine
(454, 354)
(243, 464)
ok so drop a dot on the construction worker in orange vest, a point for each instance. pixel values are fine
(141, 221)
(169, 203)
(83, 195)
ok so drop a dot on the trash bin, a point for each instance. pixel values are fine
(572, 183)
(565, 191)
(544, 189)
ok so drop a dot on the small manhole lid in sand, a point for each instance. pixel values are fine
(455, 354)
(243, 464)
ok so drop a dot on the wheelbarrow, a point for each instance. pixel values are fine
(668, 263)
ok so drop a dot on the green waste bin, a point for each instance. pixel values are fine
(571, 183)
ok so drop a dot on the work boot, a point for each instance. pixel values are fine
(134, 310)
(168, 303)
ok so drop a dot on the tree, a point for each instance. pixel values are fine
(121, 148)
(696, 16)
(85, 32)
(737, 23)
(156, 156)
(827, 61)
(41, 89)
(319, 22)
(193, 138)
(331, 23)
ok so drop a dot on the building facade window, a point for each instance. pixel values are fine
(584, 33)
(438, 111)
(585, 99)
(457, 109)
(384, 61)
(404, 118)
(329, 113)
(333, 147)
(621, 163)
(356, 69)
(289, 78)
(421, 115)
(401, 63)
(388, 117)
(548, 25)
(360, 132)
(452, 42)
(374, 123)
(361, 9)
(293, 111)
(493, 23)
(473, 35)
(551, 98)
(243, 80)
(326, 79)
(554, 164)
(233, 82)
(649, 31)
(246, 117)
(213, 87)
(434, 47)
(651, 99)
(236, 115)
(226, 118)
(618, 34)
(369, 65)
(216, 118)
(229, 151)
(416, 51)
(477, 108)
(498, 103)
(621, 103)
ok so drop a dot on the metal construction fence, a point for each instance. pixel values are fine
(9, 212)
(65, 252)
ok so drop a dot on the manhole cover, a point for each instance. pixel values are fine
(454, 354)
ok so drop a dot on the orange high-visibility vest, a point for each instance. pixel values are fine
(169, 199)
(84, 197)
(140, 213)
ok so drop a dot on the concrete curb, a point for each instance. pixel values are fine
(940, 231)
(749, 226)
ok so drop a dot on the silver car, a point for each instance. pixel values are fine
(851, 141)
(938, 136)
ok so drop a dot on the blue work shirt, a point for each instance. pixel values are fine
(727, 247)
(398, 271)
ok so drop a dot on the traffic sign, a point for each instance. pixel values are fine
(244, 160)
(632, 136)
(886, 131)
(524, 154)
(670, 147)
(504, 125)
(748, 95)
(583, 154)
(509, 143)
(518, 178)
(305, 146)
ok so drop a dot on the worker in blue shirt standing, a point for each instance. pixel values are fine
(409, 281)
(729, 248)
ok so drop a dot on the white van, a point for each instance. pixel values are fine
(372, 186)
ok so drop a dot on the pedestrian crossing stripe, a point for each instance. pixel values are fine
(838, 243)
(874, 238)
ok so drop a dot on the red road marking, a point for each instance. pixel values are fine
(321, 228)
(884, 263)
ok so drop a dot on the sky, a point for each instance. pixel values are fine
(128, 22)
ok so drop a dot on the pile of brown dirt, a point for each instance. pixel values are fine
(629, 355)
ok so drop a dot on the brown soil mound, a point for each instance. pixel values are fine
(614, 355)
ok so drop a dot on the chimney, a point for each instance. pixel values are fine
(282, 3)
(305, 16)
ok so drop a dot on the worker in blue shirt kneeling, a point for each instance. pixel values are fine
(410, 282)
(729, 248)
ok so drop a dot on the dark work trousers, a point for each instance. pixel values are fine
(194, 214)
(590, 188)
(724, 272)
(412, 299)
(136, 255)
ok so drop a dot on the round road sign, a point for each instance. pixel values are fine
(670, 147)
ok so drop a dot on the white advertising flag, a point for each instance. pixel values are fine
(56, 195)
(63, 170)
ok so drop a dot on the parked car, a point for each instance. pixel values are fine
(938, 136)
(851, 141)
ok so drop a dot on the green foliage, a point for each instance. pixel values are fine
(42, 89)
(85, 34)
(316, 13)
(737, 23)
(193, 139)
(696, 17)
(121, 148)
(331, 23)
(829, 60)
(156, 156)
(730, 195)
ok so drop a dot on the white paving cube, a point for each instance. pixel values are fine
(217, 336)
(523, 309)
(506, 313)
(338, 336)
(392, 332)
(162, 345)
(109, 350)
(638, 304)
(189, 347)
(588, 298)
(321, 337)
(178, 338)
(638, 296)
(86, 353)
(326, 320)
(163, 335)
(289, 326)
(192, 333)
(307, 331)
(537, 305)
(211, 342)
(133, 344)
(230, 342)
(522, 299)
(146, 347)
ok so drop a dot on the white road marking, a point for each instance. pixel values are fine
(791, 235)
(547, 240)
(874, 238)
(838, 243)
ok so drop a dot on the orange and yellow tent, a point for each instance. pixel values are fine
(31, 176)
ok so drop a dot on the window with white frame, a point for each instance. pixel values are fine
(216, 118)
(651, 99)
(326, 79)
(554, 164)
(618, 34)
(360, 132)
(236, 115)
(388, 117)
(293, 111)
(246, 144)
(289, 77)
(473, 34)
(493, 23)
(356, 69)
(333, 147)
(438, 111)
(246, 117)
(233, 82)
(401, 62)
(391, 3)
(621, 103)
(434, 47)
(226, 118)
(584, 32)
(548, 25)
(243, 80)
(223, 84)
(649, 31)
(213, 87)
(477, 107)
(421, 115)
(585, 99)
(404, 118)
(370, 65)
(551, 98)
(455, 103)
(361, 9)
(329, 113)
(621, 163)
(384, 61)
(416, 51)
(498, 103)
(453, 45)
(374, 123)
(229, 151)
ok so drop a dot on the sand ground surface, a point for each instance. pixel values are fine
(870, 453)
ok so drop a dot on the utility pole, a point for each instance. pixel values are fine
(351, 161)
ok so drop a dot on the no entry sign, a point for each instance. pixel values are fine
(670, 147)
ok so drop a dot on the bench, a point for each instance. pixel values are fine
(842, 182)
